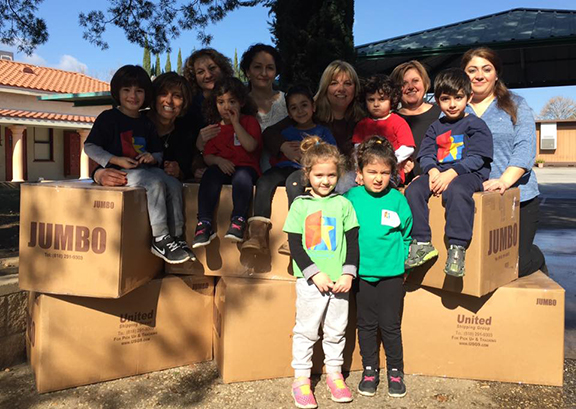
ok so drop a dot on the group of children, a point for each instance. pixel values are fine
(370, 236)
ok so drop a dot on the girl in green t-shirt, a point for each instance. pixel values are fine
(384, 239)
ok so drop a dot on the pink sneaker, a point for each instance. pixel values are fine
(302, 393)
(338, 388)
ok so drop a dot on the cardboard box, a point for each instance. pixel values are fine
(78, 238)
(222, 256)
(77, 341)
(515, 334)
(253, 323)
(491, 258)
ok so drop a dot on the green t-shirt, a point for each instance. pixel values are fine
(322, 222)
(384, 236)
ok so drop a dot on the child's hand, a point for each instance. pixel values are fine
(172, 168)
(323, 282)
(291, 150)
(124, 162)
(407, 165)
(343, 284)
(226, 166)
(146, 158)
(234, 115)
(433, 173)
(206, 134)
(443, 180)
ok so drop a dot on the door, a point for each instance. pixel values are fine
(71, 154)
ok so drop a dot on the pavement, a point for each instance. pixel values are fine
(199, 386)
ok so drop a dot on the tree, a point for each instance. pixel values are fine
(309, 34)
(19, 25)
(168, 66)
(179, 62)
(146, 61)
(157, 70)
(238, 73)
(559, 108)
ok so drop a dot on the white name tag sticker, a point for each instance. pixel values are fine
(390, 218)
(236, 141)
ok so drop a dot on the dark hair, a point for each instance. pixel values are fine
(299, 89)
(381, 84)
(171, 80)
(377, 148)
(219, 59)
(235, 87)
(314, 149)
(503, 95)
(451, 81)
(254, 49)
(128, 76)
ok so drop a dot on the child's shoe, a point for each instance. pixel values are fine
(302, 393)
(168, 249)
(236, 230)
(338, 388)
(455, 261)
(396, 387)
(184, 245)
(419, 254)
(369, 382)
(203, 235)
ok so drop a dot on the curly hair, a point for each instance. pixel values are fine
(314, 150)
(383, 85)
(170, 81)
(219, 59)
(128, 76)
(377, 149)
(254, 49)
(235, 87)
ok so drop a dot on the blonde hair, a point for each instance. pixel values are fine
(323, 108)
(315, 150)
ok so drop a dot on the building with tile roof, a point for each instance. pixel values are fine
(41, 137)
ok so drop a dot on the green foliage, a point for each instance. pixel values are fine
(146, 62)
(310, 34)
(168, 66)
(238, 73)
(157, 70)
(179, 62)
(19, 25)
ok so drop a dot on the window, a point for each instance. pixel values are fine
(43, 144)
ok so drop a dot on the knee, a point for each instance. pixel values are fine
(417, 189)
(456, 189)
(242, 177)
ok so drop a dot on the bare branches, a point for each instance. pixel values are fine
(559, 108)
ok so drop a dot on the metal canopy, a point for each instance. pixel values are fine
(537, 47)
(82, 99)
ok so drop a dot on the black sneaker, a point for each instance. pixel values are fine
(184, 245)
(396, 387)
(369, 382)
(236, 230)
(169, 250)
(204, 234)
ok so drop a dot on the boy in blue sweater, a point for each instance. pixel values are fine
(455, 158)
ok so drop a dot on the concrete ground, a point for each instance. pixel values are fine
(199, 385)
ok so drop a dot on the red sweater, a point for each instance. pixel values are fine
(226, 145)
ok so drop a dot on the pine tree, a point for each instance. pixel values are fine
(146, 60)
(158, 70)
(179, 62)
(168, 66)
(238, 73)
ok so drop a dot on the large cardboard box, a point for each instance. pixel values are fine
(77, 341)
(222, 256)
(253, 323)
(491, 258)
(515, 334)
(77, 238)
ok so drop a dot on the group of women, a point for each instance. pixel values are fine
(177, 114)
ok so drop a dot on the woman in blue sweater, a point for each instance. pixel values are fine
(512, 124)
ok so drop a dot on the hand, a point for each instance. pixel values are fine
(407, 165)
(343, 284)
(442, 181)
(124, 162)
(433, 173)
(495, 185)
(172, 168)
(198, 173)
(226, 166)
(110, 177)
(322, 282)
(291, 149)
(146, 158)
(206, 134)
(234, 116)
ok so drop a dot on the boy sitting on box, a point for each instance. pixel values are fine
(123, 139)
(455, 158)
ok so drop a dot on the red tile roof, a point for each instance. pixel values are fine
(48, 116)
(17, 74)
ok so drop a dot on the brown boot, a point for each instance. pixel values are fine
(257, 243)
(284, 248)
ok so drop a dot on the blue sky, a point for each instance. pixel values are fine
(374, 21)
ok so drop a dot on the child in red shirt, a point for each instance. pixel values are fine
(232, 156)
(380, 96)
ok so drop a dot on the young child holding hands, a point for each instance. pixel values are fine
(323, 235)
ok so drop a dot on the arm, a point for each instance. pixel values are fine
(427, 153)
(249, 138)
(311, 272)
(480, 147)
(272, 136)
(110, 177)
(97, 154)
(224, 164)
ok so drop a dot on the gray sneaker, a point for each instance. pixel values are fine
(455, 261)
(419, 254)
